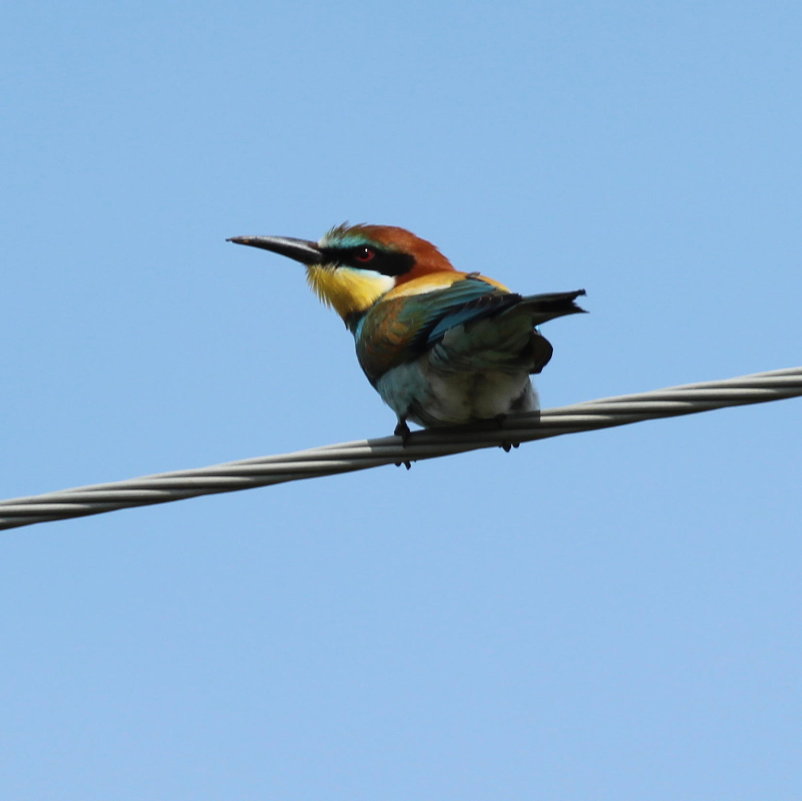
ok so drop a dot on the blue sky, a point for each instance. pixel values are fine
(613, 615)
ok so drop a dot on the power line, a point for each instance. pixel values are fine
(363, 454)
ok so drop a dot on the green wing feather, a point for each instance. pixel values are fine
(396, 331)
(399, 330)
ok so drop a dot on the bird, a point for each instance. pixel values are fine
(442, 347)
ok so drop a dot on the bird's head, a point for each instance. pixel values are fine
(351, 267)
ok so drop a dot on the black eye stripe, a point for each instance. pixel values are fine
(387, 262)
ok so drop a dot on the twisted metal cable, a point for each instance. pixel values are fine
(362, 454)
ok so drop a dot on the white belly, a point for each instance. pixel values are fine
(430, 396)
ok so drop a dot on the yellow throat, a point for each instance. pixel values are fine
(347, 290)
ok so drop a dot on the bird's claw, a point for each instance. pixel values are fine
(402, 430)
(507, 446)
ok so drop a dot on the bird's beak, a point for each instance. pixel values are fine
(298, 249)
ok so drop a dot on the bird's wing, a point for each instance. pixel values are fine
(401, 328)
(463, 303)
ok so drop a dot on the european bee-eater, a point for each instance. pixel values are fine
(441, 347)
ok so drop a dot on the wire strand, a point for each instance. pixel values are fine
(364, 454)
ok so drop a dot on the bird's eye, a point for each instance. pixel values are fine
(364, 254)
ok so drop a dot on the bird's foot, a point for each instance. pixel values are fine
(506, 446)
(402, 430)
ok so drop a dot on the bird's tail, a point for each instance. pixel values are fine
(543, 308)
